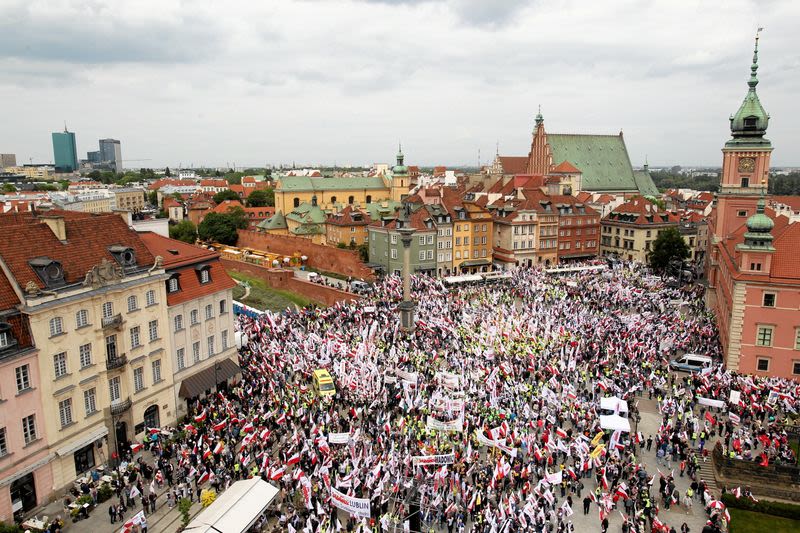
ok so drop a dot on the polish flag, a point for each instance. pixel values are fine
(734, 418)
(281, 419)
(247, 428)
(622, 491)
(136, 448)
(561, 433)
(602, 386)
(220, 426)
(154, 431)
(201, 417)
(710, 418)
(219, 447)
(206, 454)
(202, 479)
(191, 429)
(277, 474)
(294, 459)
(536, 453)
(264, 434)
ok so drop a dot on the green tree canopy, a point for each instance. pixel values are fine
(167, 172)
(222, 227)
(184, 231)
(261, 198)
(668, 245)
(152, 197)
(7, 187)
(227, 194)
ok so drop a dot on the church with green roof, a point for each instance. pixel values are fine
(601, 161)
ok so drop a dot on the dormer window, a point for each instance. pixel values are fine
(124, 255)
(173, 285)
(750, 123)
(204, 273)
(49, 271)
(7, 339)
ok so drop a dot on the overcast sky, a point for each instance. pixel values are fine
(328, 81)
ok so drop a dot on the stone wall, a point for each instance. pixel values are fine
(284, 279)
(326, 258)
(773, 481)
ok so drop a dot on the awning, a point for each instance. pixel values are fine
(613, 403)
(84, 439)
(474, 263)
(236, 509)
(204, 380)
(615, 422)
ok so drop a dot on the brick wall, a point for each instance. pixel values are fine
(777, 481)
(327, 258)
(284, 279)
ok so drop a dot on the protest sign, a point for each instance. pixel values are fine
(430, 460)
(355, 506)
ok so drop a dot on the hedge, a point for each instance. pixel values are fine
(786, 510)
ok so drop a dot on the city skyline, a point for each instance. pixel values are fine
(343, 82)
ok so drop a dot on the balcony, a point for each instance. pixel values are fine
(112, 322)
(116, 362)
(120, 406)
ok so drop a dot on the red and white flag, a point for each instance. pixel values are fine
(277, 474)
(203, 478)
(294, 459)
(136, 448)
(201, 417)
(220, 425)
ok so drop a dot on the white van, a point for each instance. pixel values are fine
(691, 362)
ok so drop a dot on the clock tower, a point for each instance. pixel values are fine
(745, 162)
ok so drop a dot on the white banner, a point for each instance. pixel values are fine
(555, 478)
(735, 397)
(135, 520)
(452, 425)
(448, 380)
(355, 506)
(719, 404)
(410, 377)
(429, 460)
(494, 444)
(338, 438)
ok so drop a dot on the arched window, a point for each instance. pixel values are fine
(369, 198)
(151, 418)
(333, 199)
(350, 200)
(297, 202)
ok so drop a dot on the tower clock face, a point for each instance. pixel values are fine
(747, 164)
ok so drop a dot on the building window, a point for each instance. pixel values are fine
(796, 368)
(430, 238)
(23, 377)
(223, 307)
(224, 339)
(111, 347)
(138, 379)
(173, 285)
(296, 202)
(85, 352)
(108, 310)
(90, 401)
(762, 364)
(196, 351)
(60, 364)
(152, 328)
(114, 389)
(392, 239)
(29, 428)
(755, 267)
(5, 339)
(210, 345)
(741, 213)
(81, 318)
(764, 337)
(205, 276)
(209, 312)
(136, 340)
(422, 240)
(3, 443)
(150, 298)
(458, 254)
(133, 303)
(769, 299)
(193, 317)
(394, 253)
(65, 412)
(422, 255)
(180, 356)
(178, 322)
(56, 326)
(156, 371)
(429, 255)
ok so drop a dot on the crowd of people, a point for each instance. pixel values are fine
(487, 417)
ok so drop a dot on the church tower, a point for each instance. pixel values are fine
(401, 181)
(745, 162)
(540, 159)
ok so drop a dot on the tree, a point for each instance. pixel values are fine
(226, 194)
(184, 231)
(261, 198)
(167, 173)
(668, 245)
(363, 251)
(7, 187)
(222, 227)
(152, 197)
(94, 174)
(64, 184)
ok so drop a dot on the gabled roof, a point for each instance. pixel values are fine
(216, 182)
(639, 211)
(26, 236)
(349, 216)
(565, 167)
(307, 213)
(513, 164)
(305, 183)
(276, 221)
(603, 160)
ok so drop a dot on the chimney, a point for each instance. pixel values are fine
(57, 226)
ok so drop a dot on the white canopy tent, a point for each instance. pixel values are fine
(612, 403)
(236, 509)
(614, 423)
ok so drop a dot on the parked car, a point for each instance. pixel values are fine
(691, 362)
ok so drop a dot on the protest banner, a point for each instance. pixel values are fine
(448, 380)
(355, 506)
(719, 404)
(135, 520)
(452, 425)
(555, 478)
(338, 438)
(431, 460)
(410, 377)
(494, 444)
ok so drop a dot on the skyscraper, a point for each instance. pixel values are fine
(65, 153)
(111, 153)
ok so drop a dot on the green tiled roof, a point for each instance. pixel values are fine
(276, 221)
(644, 182)
(602, 159)
(308, 229)
(306, 213)
(376, 210)
(306, 184)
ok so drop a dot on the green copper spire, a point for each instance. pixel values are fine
(539, 117)
(400, 168)
(749, 124)
(759, 226)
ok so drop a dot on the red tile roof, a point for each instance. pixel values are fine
(565, 167)
(792, 201)
(640, 211)
(163, 182)
(215, 182)
(25, 236)
(345, 217)
(182, 259)
(514, 164)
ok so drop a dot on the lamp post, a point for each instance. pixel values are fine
(406, 306)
